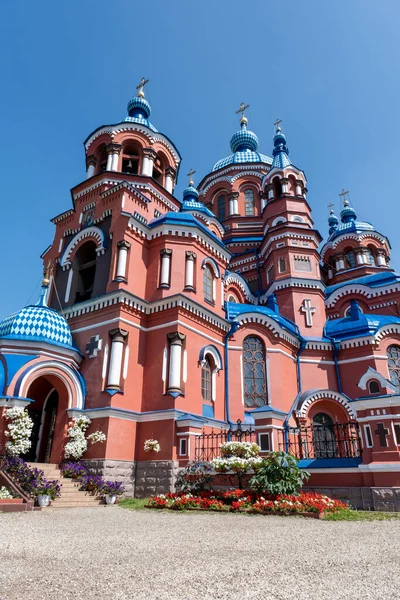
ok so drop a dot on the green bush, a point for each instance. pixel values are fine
(278, 473)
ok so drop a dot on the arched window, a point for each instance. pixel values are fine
(351, 259)
(255, 385)
(130, 159)
(232, 298)
(277, 187)
(206, 375)
(282, 264)
(84, 265)
(393, 354)
(323, 436)
(249, 202)
(102, 157)
(370, 257)
(208, 284)
(221, 207)
(373, 387)
(158, 170)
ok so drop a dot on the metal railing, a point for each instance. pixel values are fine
(207, 445)
(342, 440)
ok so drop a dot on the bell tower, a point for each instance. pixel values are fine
(290, 244)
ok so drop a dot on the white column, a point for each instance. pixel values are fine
(231, 207)
(175, 361)
(263, 203)
(380, 259)
(169, 179)
(114, 161)
(360, 258)
(233, 203)
(90, 166)
(339, 263)
(189, 270)
(123, 249)
(270, 191)
(298, 188)
(117, 349)
(149, 156)
(284, 183)
(109, 161)
(235, 206)
(330, 274)
(69, 283)
(165, 275)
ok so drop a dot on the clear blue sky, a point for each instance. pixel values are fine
(330, 70)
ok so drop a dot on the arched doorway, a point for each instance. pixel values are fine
(323, 434)
(48, 413)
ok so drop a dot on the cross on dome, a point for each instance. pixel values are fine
(241, 110)
(330, 206)
(190, 175)
(343, 194)
(277, 124)
(140, 87)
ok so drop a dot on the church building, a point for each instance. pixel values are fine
(166, 318)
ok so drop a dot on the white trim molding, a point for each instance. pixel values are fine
(315, 396)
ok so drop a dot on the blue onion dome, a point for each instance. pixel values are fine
(139, 107)
(244, 139)
(333, 222)
(348, 213)
(38, 323)
(280, 151)
(244, 145)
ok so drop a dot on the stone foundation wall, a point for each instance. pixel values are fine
(155, 477)
(385, 499)
(115, 470)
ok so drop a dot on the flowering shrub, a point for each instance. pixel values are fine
(19, 430)
(78, 444)
(73, 470)
(91, 483)
(152, 446)
(5, 494)
(112, 488)
(278, 473)
(240, 449)
(31, 480)
(284, 504)
(194, 477)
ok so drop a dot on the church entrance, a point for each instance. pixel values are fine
(45, 414)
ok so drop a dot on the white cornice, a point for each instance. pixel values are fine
(353, 236)
(354, 288)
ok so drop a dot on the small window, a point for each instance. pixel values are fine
(397, 433)
(282, 264)
(206, 380)
(368, 436)
(208, 284)
(351, 259)
(373, 387)
(183, 447)
(221, 207)
(232, 298)
(264, 442)
(249, 202)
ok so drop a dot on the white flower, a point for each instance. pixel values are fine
(152, 445)
(5, 494)
(97, 436)
(19, 430)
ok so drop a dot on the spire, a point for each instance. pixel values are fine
(244, 139)
(138, 106)
(281, 151)
(347, 213)
(45, 285)
(333, 221)
(190, 193)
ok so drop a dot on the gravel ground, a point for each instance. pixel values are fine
(114, 553)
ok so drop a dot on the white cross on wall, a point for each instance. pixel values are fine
(308, 310)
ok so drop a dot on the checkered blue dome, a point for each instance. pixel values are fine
(244, 144)
(139, 106)
(244, 140)
(37, 323)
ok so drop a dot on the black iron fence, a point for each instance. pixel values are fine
(341, 440)
(208, 444)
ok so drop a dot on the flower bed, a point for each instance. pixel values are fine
(305, 504)
(31, 480)
(94, 484)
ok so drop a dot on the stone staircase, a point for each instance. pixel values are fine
(71, 496)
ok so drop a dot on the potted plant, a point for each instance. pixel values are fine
(112, 489)
(47, 490)
(152, 446)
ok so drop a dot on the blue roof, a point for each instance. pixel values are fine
(351, 227)
(357, 324)
(280, 152)
(247, 156)
(38, 323)
(376, 280)
(233, 310)
(186, 219)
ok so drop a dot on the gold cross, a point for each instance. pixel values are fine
(140, 87)
(47, 273)
(277, 123)
(330, 206)
(242, 108)
(343, 194)
(190, 175)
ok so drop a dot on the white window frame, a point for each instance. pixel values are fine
(181, 440)
(269, 436)
(367, 445)
(397, 442)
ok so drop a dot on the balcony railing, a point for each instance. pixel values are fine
(341, 440)
(208, 444)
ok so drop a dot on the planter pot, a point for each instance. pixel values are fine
(43, 500)
(110, 499)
